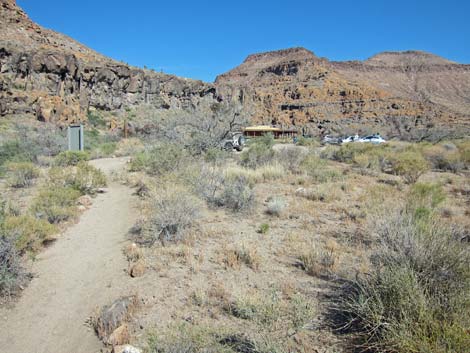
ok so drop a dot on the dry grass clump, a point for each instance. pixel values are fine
(276, 206)
(235, 256)
(415, 298)
(267, 172)
(21, 174)
(323, 192)
(173, 212)
(318, 261)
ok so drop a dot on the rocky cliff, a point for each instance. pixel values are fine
(54, 78)
(410, 94)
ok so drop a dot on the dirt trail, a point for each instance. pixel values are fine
(85, 268)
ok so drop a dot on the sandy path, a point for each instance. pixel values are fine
(84, 269)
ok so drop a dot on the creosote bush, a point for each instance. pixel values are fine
(161, 159)
(21, 174)
(71, 158)
(28, 233)
(55, 204)
(84, 178)
(409, 164)
(259, 152)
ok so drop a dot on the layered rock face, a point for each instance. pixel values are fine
(399, 94)
(57, 79)
(412, 95)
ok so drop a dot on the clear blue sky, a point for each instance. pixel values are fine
(200, 39)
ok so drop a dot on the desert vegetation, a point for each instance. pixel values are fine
(279, 248)
(382, 228)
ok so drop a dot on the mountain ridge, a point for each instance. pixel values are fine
(55, 78)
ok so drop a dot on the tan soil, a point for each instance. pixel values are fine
(82, 270)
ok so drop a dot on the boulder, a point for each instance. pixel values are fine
(138, 269)
(113, 316)
(119, 336)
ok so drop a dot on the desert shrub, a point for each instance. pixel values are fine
(423, 198)
(55, 204)
(159, 160)
(21, 174)
(216, 156)
(71, 158)
(444, 157)
(248, 255)
(258, 154)
(416, 297)
(236, 194)
(307, 142)
(233, 189)
(291, 157)
(16, 151)
(263, 228)
(13, 275)
(186, 338)
(172, 213)
(318, 262)
(29, 233)
(324, 192)
(409, 164)
(318, 169)
(84, 178)
(276, 206)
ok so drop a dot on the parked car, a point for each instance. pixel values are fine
(331, 140)
(350, 139)
(375, 139)
(235, 140)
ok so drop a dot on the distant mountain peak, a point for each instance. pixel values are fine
(290, 53)
(392, 58)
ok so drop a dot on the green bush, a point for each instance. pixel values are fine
(21, 174)
(56, 204)
(236, 194)
(409, 164)
(161, 159)
(257, 154)
(416, 297)
(16, 151)
(84, 178)
(307, 142)
(28, 232)
(71, 158)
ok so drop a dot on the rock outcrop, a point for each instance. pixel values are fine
(412, 94)
(385, 93)
(55, 78)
